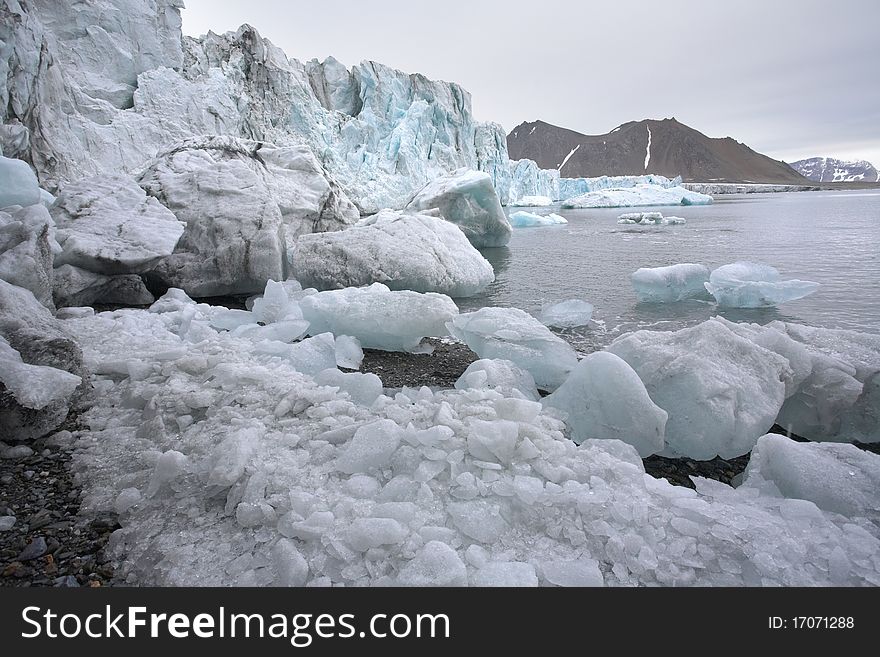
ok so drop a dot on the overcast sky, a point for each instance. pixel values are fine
(790, 78)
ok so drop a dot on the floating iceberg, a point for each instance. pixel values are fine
(750, 285)
(523, 219)
(569, 187)
(467, 199)
(669, 284)
(567, 314)
(639, 195)
(378, 317)
(605, 399)
(514, 335)
(838, 478)
(722, 392)
(403, 251)
(650, 219)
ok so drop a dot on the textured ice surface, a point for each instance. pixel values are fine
(523, 219)
(467, 199)
(501, 375)
(567, 314)
(721, 391)
(244, 203)
(108, 225)
(750, 285)
(514, 335)
(450, 487)
(831, 394)
(668, 284)
(27, 249)
(529, 183)
(569, 187)
(404, 251)
(78, 287)
(639, 195)
(604, 398)
(34, 386)
(18, 183)
(839, 478)
(378, 317)
(532, 202)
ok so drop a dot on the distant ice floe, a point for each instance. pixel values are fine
(650, 219)
(523, 219)
(639, 195)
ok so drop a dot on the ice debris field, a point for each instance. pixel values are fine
(236, 455)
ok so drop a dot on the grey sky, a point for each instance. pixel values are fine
(790, 78)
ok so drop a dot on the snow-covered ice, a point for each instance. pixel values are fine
(523, 219)
(403, 251)
(378, 317)
(751, 285)
(722, 392)
(605, 399)
(671, 283)
(567, 314)
(467, 199)
(512, 334)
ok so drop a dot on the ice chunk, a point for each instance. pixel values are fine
(436, 564)
(507, 574)
(604, 398)
(639, 195)
(721, 391)
(77, 287)
(27, 247)
(110, 226)
(523, 219)
(669, 284)
(750, 285)
(567, 314)
(480, 520)
(34, 386)
(583, 572)
(403, 251)
(862, 421)
(290, 565)
(649, 219)
(501, 375)
(313, 355)
(378, 317)
(366, 533)
(349, 354)
(363, 388)
(467, 199)
(18, 183)
(275, 305)
(514, 335)
(371, 448)
(835, 477)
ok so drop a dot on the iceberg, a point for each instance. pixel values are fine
(640, 195)
(567, 314)
(514, 335)
(605, 399)
(833, 477)
(569, 187)
(532, 202)
(669, 284)
(750, 285)
(378, 317)
(650, 219)
(722, 392)
(468, 200)
(523, 219)
(403, 251)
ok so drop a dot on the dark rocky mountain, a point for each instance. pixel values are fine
(831, 170)
(664, 147)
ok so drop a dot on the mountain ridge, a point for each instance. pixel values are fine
(660, 146)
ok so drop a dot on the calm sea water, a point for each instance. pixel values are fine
(832, 238)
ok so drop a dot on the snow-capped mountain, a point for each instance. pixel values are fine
(665, 147)
(831, 170)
